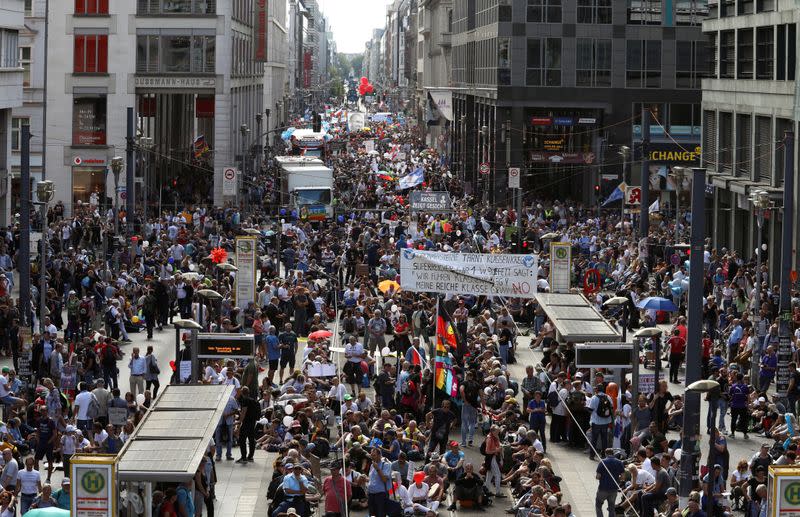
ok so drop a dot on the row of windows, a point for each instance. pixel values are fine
(175, 54)
(639, 12)
(767, 53)
(177, 7)
(727, 8)
(9, 53)
(744, 144)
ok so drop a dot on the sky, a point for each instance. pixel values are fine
(352, 21)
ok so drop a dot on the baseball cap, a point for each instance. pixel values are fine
(672, 491)
(65, 481)
(6, 369)
(289, 466)
(348, 397)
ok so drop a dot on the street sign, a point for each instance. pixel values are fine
(229, 181)
(484, 168)
(633, 195)
(592, 281)
(675, 259)
(604, 355)
(123, 195)
(513, 177)
(793, 275)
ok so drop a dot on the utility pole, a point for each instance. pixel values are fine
(644, 220)
(761, 202)
(24, 251)
(130, 167)
(785, 335)
(691, 413)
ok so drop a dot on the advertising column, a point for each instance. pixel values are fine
(246, 248)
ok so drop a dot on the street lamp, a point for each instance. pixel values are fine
(116, 168)
(678, 173)
(45, 190)
(761, 202)
(618, 301)
(146, 143)
(625, 152)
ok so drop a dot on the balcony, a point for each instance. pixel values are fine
(176, 7)
(446, 40)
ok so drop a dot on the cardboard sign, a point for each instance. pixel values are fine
(117, 415)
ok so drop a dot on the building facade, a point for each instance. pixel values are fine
(749, 102)
(194, 72)
(12, 76)
(434, 66)
(557, 87)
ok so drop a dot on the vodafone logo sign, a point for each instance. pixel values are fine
(77, 160)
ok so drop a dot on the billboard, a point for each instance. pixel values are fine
(261, 31)
(225, 346)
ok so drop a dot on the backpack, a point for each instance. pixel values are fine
(483, 448)
(109, 356)
(152, 367)
(405, 389)
(604, 407)
(552, 399)
(93, 411)
(109, 317)
(84, 309)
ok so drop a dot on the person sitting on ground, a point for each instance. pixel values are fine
(468, 488)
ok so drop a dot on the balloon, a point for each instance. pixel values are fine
(677, 291)
(135, 319)
(685, 285)
(370, 88)
(172, 365)
(294, 214)
(686, 264)
(288, 409)
(340, 218)
(385, 351)
(677, 454)
(140, 398)
(364, 80)
(283, 211)
(287, 421)
(394, 308)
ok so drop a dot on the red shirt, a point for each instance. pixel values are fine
(676, 344)
(707, 344)
(333, 489)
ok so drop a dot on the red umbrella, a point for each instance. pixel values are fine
(320, 334)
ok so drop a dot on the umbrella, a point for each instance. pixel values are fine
(551, 235)
(387, 285)
(320, 334)
(209, 293)
(252, 231)
(190, 276)
(657, 303)
(225, 266)
(701, 386)
(617, 300)
(48, 512)
(648, 332)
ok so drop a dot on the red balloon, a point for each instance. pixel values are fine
(364, 80)
(370, 88)
(362, 89)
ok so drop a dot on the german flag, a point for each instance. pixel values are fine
(445, 332)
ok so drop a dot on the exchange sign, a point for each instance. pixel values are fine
(475, 273)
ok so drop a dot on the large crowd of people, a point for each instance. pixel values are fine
(342, 390)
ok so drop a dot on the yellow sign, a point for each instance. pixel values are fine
(676, 156)
(94, 485)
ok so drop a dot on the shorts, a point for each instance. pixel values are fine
(10, 399)
(273, 364)
(44, 452)
(287, 359)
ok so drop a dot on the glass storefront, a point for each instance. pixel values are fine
(88, 180)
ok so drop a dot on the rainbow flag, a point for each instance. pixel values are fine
(443, 365)
(200, 147)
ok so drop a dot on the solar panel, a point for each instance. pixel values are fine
(177, 424)
(160, 455)
(188, 397)
(561, 299)
(575, 313)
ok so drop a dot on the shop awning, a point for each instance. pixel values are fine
(173, 436)
(576, 319)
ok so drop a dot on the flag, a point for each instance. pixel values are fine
(200, 147)
(416, 358)
(618, 194)
(411, 180)
(655, 207)
(443, 365)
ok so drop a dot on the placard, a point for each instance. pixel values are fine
(431, 202)
(321, 370)
(647, 383)
(118, 415)
(185, 370)
(560, 267)
(369, 145)
(246, 255)
(230, 346)
(476, 273)
(24, 365)
(69, 376)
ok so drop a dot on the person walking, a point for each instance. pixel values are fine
(491, 452)
(151, 372)
(677, 345)
(608, 475)
(739, 393)
(246, 427)
(138, 367)
(602, 412)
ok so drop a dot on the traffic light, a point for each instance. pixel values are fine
(597, 191)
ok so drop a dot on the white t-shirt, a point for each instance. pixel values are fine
(100, 437)
(82, 401)
(69, 444)
(29, 481)
(10, 470)
(644, 478)
(420, 492)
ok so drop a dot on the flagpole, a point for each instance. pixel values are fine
(435, 344)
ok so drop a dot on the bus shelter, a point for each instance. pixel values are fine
(576, 319)
(169, 443)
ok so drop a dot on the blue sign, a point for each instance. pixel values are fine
(563, 121)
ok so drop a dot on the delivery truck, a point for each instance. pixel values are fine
(306, 187)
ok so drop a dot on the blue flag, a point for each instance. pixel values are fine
(618, 194)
